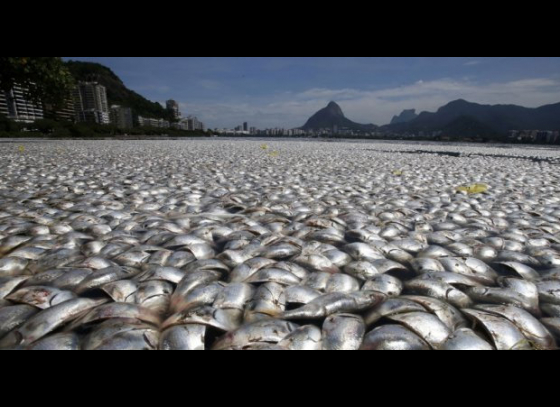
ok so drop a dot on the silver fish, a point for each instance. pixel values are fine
(271, 332)
(343, 332)
(465, 339)
(426, 326)
(47, 321)
(505, 335)
(393, 338)
(334, 303)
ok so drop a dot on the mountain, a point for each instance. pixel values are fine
(498, 118)
(117, 92)
(405, 117)
(332, 116)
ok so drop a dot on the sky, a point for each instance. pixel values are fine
(284, 92)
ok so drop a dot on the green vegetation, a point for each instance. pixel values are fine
(46, 79)
(117, 92)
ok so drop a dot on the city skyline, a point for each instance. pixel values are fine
(283, 91)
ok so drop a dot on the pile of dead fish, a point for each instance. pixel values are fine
(208, 245)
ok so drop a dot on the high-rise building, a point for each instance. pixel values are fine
(245, 126)
(121, 117)
(173, 107)
(90, 101)
(194, 124)
(16, 106)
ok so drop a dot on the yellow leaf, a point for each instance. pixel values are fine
(264, 147)
(473, 189)
(21, 149)
(274, 154)
(398, 173)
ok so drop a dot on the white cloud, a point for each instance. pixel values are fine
(374, 106)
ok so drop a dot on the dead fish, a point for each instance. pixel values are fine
(246, 270)
(13, 266)
(343, 332)
(183, 337)
(59, 342)
(117, 310)
(393, 338)
(41, 297)
(112, 327)
(553, 325)
(521, 270)
(268, 301)
(10, 284)
(439, 290)
(47, 321)
(425, 265)
(390, 307)
(334, 303)
(234, 296)
(11, 317)
(529, 326)
(135, 340)
(317, 263)
(270, 332)
(155, 295)
(426, 326)
(551, 310)
(385, 284)
(221, 320)
(363, 252)
(71, 279)
(362, 270)
(505, 335)
(11, 243)
(505, 296)
(342, 283)
(465, 339)
(549, 291)
(449, 315)
(299, 295)
(103, 277)
(189, 283)
(306, 338)
(273, 275)
(122, 291)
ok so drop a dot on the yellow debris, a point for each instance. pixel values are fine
(398, 173)
(21, 149)
(264, 147)
(473, 189)
(274, 154)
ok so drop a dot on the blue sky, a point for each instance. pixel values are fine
(286, 91)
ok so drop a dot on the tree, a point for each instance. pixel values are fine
(45, 79)
(5, 124)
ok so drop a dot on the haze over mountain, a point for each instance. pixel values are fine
(497, 118)
(333, 116)
(405, 117)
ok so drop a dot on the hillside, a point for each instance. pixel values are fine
(117, 92)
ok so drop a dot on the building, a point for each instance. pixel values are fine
(245, 126)
(194, 124)
(90, 101)
(173, 107)
(149, 122)
(16, 106)
(122, 117)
